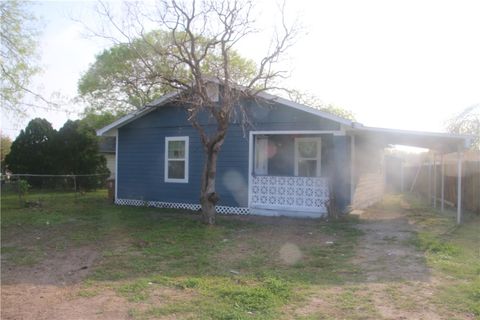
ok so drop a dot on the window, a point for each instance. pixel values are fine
(261, 155)
(307, 157)
(176, 159)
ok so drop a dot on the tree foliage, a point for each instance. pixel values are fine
(18, 61)
(31, 152)
(313, 101)
(39, 149)
(120, 80)
(98, 119)
(467, 122)
(130, 75)
(5, 145)
(79, 149)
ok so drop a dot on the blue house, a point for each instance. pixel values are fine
(293, 160)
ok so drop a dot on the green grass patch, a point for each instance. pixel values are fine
(135, 291)
(19, 256)
(440, 248)
(225, 298)
(454, 252)
(87, 293)
(229, 271)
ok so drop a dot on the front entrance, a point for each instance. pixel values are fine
(286, 174)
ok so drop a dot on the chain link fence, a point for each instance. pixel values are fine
(29, 186)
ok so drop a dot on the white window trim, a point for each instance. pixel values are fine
(318, 140)
(187, 162)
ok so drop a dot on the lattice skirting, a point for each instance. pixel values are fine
(175, 205)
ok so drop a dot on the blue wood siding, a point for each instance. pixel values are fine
(141, 160)
(279, 117)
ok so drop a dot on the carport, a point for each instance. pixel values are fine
(438, 143)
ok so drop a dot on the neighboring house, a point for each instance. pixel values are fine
(106, 147)
(292, 160)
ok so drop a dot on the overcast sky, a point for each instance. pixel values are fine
(397, 64)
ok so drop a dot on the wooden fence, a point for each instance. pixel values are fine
(428, 185)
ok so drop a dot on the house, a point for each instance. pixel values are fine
(293, 160)
(106, 147)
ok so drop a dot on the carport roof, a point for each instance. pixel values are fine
(440, 142)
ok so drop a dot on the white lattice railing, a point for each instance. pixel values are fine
(290, 193)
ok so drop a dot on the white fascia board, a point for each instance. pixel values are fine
(305, 108)
(420, 133)
(136, 114)
(103, 131)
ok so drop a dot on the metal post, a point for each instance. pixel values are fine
(402, 177)
(435, 180)
(429, 164)
(459, 186)
(352, 169)
(443, 184)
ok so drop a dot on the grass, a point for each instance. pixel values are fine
(166, 263)
(20, 256)
(453, 252)
(230, 271)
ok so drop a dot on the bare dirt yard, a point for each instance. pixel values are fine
(85, 259)
(399, 282)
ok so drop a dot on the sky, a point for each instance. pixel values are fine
(395, 64)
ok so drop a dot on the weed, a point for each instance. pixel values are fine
(135, 291)
(87, 293)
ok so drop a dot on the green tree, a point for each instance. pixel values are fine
(76, 146)
(31, 151)
(467, 122)
(18, 61)
(39, 149)
(130, 75)
(97, 119)
(5, 145)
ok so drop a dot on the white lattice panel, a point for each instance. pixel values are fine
(290, 193)
(176, 205)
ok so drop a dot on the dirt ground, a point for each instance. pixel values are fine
(398, 283)
(392, 265)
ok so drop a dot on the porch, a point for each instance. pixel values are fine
(289, 173)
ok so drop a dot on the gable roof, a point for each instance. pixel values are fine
(137, 114)
(443, 142)
(171, 96)
(302, 107)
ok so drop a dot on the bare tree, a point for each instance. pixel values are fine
(467, 122)
(201, 51)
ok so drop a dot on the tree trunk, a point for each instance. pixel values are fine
(208, 196)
